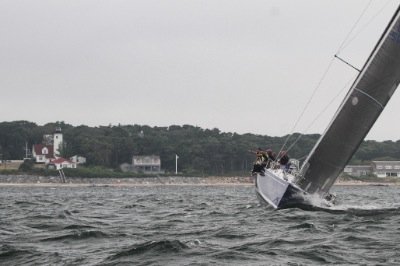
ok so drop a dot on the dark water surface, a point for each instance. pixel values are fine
(194, 225)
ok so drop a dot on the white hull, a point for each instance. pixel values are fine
(276, 189)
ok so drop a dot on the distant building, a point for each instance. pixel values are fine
(57, 141)
(78, 159)
(377, 168)
(358, 170)
(42, 153)
(147, 164)
(60, 163)
(50, 147)
(386, 168)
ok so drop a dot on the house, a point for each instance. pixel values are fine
(60, 163)
(49, 148)
(150, 164)
(386, 168)
(377, 168)
(78, 159)
(358, 170)
(42, 153)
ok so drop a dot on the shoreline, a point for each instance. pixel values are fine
(365, 183)
(40, 181)
(117, 185)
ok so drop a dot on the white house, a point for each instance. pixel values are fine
(60, 163)
(78, 159)
(42, 153)
(147, 164)
(386, 168)
(358, 170)
(378, 168)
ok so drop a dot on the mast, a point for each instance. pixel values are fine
(362, 105)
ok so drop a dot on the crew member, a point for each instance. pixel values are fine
(258, 166)
(284, 160)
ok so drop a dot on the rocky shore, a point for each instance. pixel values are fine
(21, 180)
(29, 180)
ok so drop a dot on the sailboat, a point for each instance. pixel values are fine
(362, 105)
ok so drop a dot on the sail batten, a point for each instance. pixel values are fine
(357, 113)
(372, 98)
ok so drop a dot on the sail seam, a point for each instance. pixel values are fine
(369, 96)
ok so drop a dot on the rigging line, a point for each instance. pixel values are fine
(323, 77)
(321, 113)
(365, 25)
(347, 63)
(354, 26)
(307, 104)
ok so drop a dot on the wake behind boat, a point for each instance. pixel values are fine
(364, 102)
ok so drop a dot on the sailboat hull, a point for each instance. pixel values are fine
(277, 192)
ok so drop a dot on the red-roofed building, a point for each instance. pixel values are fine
(50, 147)
(60, 163)
(42, 153)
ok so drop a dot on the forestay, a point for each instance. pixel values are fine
(362, 105)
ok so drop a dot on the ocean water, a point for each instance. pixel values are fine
(194, 225)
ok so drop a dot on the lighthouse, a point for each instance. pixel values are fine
(57, 142)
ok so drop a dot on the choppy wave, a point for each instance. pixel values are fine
(11, 255)
(187, 225)
(163, 246)
(77, 236)
(7, 251)
(359, 210)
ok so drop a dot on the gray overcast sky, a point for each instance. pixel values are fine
(240, 66)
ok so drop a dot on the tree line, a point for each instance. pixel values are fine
(201, 151)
